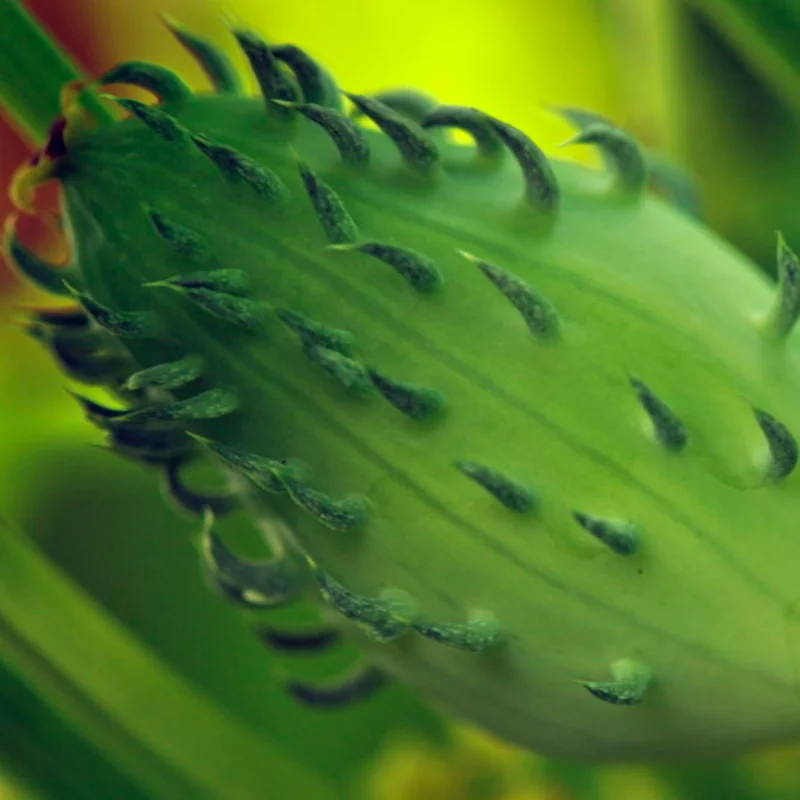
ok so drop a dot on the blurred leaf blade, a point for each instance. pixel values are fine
(766, 32)
(169, 737)
(32, 71)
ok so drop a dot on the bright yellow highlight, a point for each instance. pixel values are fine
(474, 766)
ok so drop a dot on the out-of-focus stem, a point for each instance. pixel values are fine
(32, 71)
(173, 741)
(650, 36)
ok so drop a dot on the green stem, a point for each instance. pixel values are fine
(765, 33)
(32, 71)
(173, 741)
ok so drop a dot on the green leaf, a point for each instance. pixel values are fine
(172, 740)
(766, 33)
(32, 72)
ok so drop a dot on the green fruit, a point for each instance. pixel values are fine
(529, 427)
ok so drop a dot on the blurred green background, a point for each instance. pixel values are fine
(122, 675)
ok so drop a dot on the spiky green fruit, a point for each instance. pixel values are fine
(532, 428)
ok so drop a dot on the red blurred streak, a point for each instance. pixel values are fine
(73, 23)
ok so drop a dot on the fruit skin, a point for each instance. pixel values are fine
(538, 448)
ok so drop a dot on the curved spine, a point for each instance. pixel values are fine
(163, 125)
(514, 495)
(125, 324)
(348, 514)
(236, 167)
(300, 642)
(348, 372)
(228, 281)
(409, 103)
(264, 473)
(183, 240)
(669, 430)
(541, 187)
(258, 584)
(419, 271)
(211, 404)
(419, 152)
(628, 687)
(316, 83)
(191, 500)
(621, 537)
(359, 686)
(47, 276)
(417, 402)
(336, 222)
(784, 314)
(312, 333)
(782, 445)
(249, 315)
(477, 124)
(380, 618)
(348, 137)
(170, 375)
(272, 80)
(623, 152)
(165, 84)
(482, 632)
(539, 314)
(219, 69)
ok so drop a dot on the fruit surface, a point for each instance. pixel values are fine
(526, 426)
